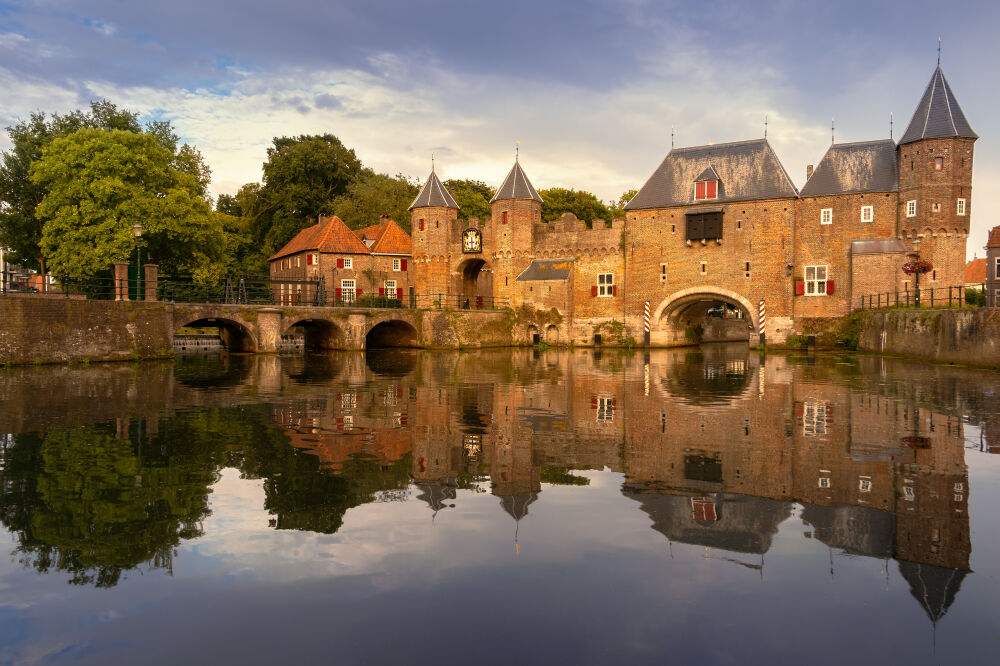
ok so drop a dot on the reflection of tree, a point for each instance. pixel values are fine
(85, 503)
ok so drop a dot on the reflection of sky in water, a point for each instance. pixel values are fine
(594, 573)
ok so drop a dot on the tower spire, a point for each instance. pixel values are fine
(517, 151)
(890, 124)
(832, 126)
(939, 51)
(671, 137)
(432, 161)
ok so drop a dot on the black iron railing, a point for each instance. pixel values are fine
(962, 296)
(31, 283)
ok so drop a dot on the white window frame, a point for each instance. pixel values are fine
(868, 213)
(960, 207)
(996, 268)
(348, 400)
(348, 421)
(606, 284)
(298, 261)
(826, 216)
(396, 265)
(813, 279)
(865, 485)
(390, 285)
(605, 409)
(348, 291)
(911, 208)
(909, 494)
(813, 418)
(824, 482)
(348, 263)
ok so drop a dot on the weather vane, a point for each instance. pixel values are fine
(765, 125)
(432, 161)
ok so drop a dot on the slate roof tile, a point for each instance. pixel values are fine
(938, 114)
(867, 166)
(433, 193)
(516, 186)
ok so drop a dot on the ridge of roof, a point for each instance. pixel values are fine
(859, 166)
(392, 239)
(433, 194)
(994, 240)
(938, 114)
(516, 186)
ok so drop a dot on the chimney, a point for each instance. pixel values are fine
(809, 172)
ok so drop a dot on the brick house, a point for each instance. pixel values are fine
(992, 276)
(348, 265)
(718, 232)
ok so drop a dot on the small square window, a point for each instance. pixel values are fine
(959, 498)
(395, 264)
(826, 216)
(824, 482)
(606, 284)
(815, 278)
(960, 207)
(911, 208)
(865, 485)
(936, 207)
(909, 494)
(349, 263)
(867, 213)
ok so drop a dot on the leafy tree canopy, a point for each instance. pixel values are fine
(559, 200)
(20, 227)
(373, 195)
(99, 183)
(617, 208)
(472, 196)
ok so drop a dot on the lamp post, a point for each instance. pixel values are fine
(916, 276)
(137, 232)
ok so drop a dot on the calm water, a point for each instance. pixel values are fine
(501, 507)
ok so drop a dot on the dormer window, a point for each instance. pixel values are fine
(706, 189)
(706, 185)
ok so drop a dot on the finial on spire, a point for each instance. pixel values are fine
(671, 137)
(832, 126)
(765, 125)
(432, 161)
(939, 51)
(517, 151)
(890, 124)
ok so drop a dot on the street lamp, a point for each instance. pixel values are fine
(137, 232)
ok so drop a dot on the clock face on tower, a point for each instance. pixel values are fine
(472, 241)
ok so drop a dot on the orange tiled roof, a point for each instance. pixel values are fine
(994, 240)
(975, 271)
(388, 237)
(329, 235)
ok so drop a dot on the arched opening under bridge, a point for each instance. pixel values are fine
(313, 334)
(704, 315)
(392, 333)
(213, 333)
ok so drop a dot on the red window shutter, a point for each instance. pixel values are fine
(338, 291)
(799, 409)
(421, 224)
(399, 293)
(614, 403)
(800, 288)
(593, 290)
(479, 302)
(505, 217)
(309, 259)
(614, 290)
(357, 291)
(593, 402)
(710, 191)
(381, 291)
(402, 264)
(699, 190)
(829, 286)
(340, 262)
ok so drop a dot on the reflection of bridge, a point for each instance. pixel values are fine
(58, 329)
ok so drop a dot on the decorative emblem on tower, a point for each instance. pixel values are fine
(472, 241)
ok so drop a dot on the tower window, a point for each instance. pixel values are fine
(826, 216)
(505, 217)
(867, 213)
(936, 208)
(961, 207)
(704, 265)
(706, 189)
(911, 208)
(938, 163)
(421, 224)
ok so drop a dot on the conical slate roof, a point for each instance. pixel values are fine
(433, 194)
(938, 114)
(516, 186)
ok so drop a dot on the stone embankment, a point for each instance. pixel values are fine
(968, 336)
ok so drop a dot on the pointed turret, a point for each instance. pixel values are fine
(938, 114)
(433, 195)
(516, 186)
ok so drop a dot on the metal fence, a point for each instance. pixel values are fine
(93, 288)
(963, 296)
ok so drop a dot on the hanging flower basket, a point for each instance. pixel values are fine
(917, 266)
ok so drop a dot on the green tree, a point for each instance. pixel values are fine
(559, 200)
(617, 208)
(373, 195)
(99, 183)
(473, 198)
(302, 176)
(20, 228)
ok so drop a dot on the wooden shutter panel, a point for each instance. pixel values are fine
(399, 293)
(421, 224)
(695, 227)
(710, 189)
(800, 287)
(340, 262)
(338, 291)
(357, 291)
(614, 290)
(402, 264)
(381, 291)
(593, 402)
(699, 190)
(593, 290)
(505, 217)
(829, 287)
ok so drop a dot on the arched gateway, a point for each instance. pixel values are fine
(704, 314)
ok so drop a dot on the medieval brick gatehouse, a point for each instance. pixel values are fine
(714, 232)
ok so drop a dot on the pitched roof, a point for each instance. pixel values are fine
(877, 246)
(867, 166)
(386, 237)
(433, 193)
(516, 186)
(329, 235)
(994, 240)
(975, 271)
(546, 269)
(938, 114)
(745, 169)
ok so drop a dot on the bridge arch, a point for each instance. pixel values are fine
(318, 333)
(705, 313)
(236, 335)
(391, 333)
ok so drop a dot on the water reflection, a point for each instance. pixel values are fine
(717, 448)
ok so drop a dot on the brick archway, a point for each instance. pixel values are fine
(679, 301)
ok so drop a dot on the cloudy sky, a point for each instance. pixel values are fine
(590, 88)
